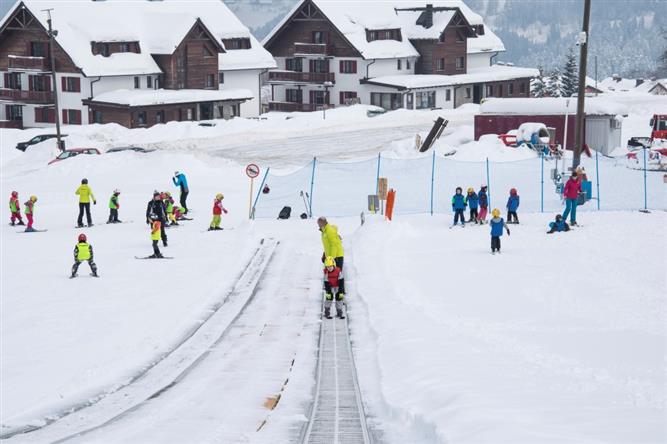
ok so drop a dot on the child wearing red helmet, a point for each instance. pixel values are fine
(333, 282)
(83, 252)
(15, 208)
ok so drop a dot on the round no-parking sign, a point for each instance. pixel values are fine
(252, 170)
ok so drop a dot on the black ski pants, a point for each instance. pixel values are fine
(156, 249)
(473, 215)
(495, 243)
(511, 214)
(184, 197)
(459, 214)
(84, 207)
(113, 215)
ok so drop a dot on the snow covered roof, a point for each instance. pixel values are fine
(551, 106)
(488, 74)
(148, 97)
(617, 84)
(159, 27)
(353, 18)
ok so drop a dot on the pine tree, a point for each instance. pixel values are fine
(570, 76)
(661, 72)
(538, 85)
(553, 83)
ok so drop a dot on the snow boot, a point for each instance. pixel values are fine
(30, 230)
(12, 224)
(153, 256)
(20, 223)
(339, 314)
(72, 276)
(327, 313)
(79, 225)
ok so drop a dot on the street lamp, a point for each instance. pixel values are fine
(326, 86)
(52, 35)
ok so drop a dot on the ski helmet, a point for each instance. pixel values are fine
(471, 190)
(176, 173)
(329, 262)
(482, 187)
(15, 194)
(559, 217)
(219, 196)
(156, 193)
(495, 212)
(84, 181)
(33, 198)
(82, 237)
(513, 191)
(116, 191)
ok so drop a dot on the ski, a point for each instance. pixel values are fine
(149, 257)
(91, 275)
(120, 222)
(33, 231)
(221, 229)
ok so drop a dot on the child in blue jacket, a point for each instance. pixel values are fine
(473, 202)
(459, 206)
(497, 225)
(558, 225)
(512, 206)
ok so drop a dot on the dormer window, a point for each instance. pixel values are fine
(319, 37)
(479, 29)
(236, 43)
(124, 47)
(107, 48)
(383, 34)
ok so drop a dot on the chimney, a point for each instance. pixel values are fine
(426, 17)
(638, 82)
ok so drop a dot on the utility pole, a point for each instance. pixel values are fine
(52, 41)
(581, 95)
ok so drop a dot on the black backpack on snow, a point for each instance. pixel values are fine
(285, 213)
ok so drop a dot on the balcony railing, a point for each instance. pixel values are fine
(14, 124)
(293, 106)
(21, 95)
(28, 63)
(313, 49)
(301, 77)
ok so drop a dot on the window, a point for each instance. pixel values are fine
(319, 66)
(407, 64)
(479, 29)
(489, 90)
(206, 52)
(372, 35)
(347, 97)
(141, 118)
(294, 65)
(424, 100)
(38, 49)
(293, 95)
(318, 98)
(45, 115)
(124, 47)
(522, 87)
(348, 66)
(440, 65)
(137, 84)
(71, 84)
(221, 78)
(500, 90)
(510, 89)
(189, 114)
(448, 95)
(97, 117)
(149, 82)
(104, 49)
(210, 80)
(383, 34)
(159, 117)
(460, 38)
(14, 112)
(387, 101)
(240, 43)
(399, 64)
(72, 116)
(409, 101)
(468, 93)
(460, 63)
(39, 83)
(319, 37)
(13, 80)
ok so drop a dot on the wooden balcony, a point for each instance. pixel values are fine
(301, 77)
(313, 50)
(14, 124)
(23, 96)
(289, 107)
(23, 63)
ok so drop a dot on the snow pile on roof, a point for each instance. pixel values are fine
(159, 27)
(617, 84)
(354, 18)
(551, 106)
(144, 97)
(477, 75)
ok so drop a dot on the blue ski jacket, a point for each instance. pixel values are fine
(472, 200)
(483, 199)
(560, 226)
(513, 203)
(497, 225)
(180, 181)
(458, 202)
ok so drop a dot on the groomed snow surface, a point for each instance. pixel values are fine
(561, 338)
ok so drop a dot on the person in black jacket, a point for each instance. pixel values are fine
(156, 207)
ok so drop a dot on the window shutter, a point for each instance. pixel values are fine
(77, 84)
(47, 83)
(340, 69)
(311, 96)
(63, 83)
(77, 116)
(51, 115)
(6, 80)
(311, 65)
(342, 98)
(38, 115)
(65, 116)
(31, 83)
(326, 65)
(354, 66)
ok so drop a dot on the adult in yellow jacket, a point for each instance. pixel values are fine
(85, 196)
(331, 242)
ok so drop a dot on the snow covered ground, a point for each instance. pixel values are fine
(452, 344)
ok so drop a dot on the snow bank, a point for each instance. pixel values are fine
(551, 105)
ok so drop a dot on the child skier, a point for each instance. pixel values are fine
(156, 230)
(558, 225)
(333, 282)
(85, 196)
(15, 208)
(497, 225)
(218, 209)
(169, 203)
(83, 252)
(483, 204)
(512, 206)
(473, 202)
(114, 205)
(459, 206)
(29, 211)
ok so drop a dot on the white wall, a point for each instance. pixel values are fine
(479, 60)
(246, 79)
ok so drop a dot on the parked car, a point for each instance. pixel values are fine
(137, 149)
(74, 152)
(22, 146)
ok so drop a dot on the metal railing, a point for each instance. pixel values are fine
(21, 95)
(28, 63)
(301, 77)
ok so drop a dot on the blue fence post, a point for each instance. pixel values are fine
(541, 182)
(312, 182)
(645, 197)
(597, 178)
(259, 190)
(432, 180)
(488, 182)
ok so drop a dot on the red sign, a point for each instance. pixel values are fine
(252, 170)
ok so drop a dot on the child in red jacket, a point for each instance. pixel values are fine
(218, 209)
(15, 208)
(333, 282)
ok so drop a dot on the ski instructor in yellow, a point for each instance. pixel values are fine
(85, 196)
(331, 242)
